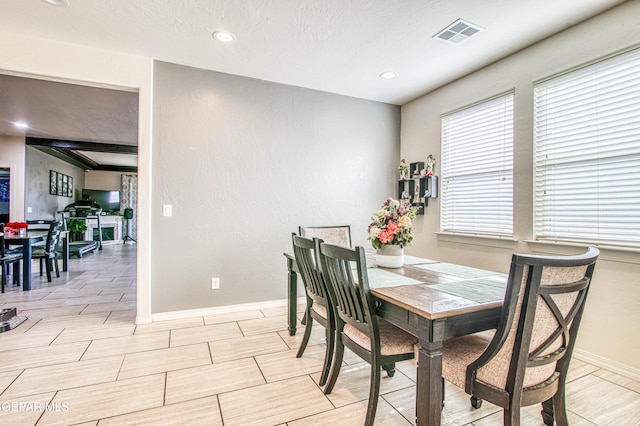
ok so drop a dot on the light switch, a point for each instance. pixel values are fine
(29, 210)
(166, 210)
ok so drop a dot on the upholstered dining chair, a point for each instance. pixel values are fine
(8, 258)
(318, 308)
(48, 253)
(339, 235)
(358, 327)
(526, 361)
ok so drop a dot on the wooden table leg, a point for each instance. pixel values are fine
(429, 389)
(292, 298)
(65, 252)
(26, 265)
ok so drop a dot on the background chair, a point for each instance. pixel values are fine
(338, 235)
(307, 254)
(39, 225)
(527, 360)
(358, 327)
(9, 258)
(48, 253)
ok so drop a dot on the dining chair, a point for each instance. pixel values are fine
(48, 253)
(526, 361)
(39, 225)
(307, 255)
(339, 235)
(358, 327)
(9, 258)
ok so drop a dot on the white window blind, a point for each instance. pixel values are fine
(587, 154)
(477, 169)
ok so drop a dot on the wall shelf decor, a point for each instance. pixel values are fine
(418, 188)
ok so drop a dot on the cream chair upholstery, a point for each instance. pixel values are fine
(527, 360)
(338, 235)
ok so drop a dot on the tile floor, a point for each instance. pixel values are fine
(80, 359)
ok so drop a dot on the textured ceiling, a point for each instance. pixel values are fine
(338, 46)
(67, 111)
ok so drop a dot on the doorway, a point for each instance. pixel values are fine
(5, 194)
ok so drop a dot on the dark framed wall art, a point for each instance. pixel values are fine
(60, 184)
(53, 182)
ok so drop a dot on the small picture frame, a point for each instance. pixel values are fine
(70, 187)
(59, 184)
(53, 182)
(65, 185)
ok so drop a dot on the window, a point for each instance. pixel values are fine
(587, 154)
(477, 168)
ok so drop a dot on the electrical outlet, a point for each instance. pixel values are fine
(215, 283)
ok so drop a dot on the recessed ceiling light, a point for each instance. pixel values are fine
(21, 125)
(61, 3)
(388, 75)
(223, 36)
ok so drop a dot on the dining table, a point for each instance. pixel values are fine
(26, 241)
(432, 300)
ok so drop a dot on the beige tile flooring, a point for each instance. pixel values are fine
(80, 359)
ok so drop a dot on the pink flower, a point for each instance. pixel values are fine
(393, 227)
(385, 236)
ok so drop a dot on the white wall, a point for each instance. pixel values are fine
(12, 156)
(35, 57)
(244, 162)
(99, 179)
(609, 327)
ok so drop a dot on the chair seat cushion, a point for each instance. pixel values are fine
(11, 257)
(458, 353)
(39, 252)
(320, 310)
(393, 341)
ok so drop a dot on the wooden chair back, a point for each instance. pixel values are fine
(338, 235)
(53, 236)
(39, 224)
(307, 254)
(528, 358)
(345, 271)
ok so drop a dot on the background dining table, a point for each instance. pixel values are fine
(433, 301)
(26, 242)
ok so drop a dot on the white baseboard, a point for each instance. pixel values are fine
(190, 313)
(607, 364)
(145, 320)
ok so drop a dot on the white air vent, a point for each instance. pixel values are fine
(458, 31)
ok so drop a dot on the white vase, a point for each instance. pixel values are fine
(390, 256)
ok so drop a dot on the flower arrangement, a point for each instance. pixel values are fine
(392, 224)
(15, 228)
(16, 225)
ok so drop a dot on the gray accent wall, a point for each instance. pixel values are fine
(43, 204)
(243, 163)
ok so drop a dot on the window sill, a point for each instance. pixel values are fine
(478, 240)
(611, 253)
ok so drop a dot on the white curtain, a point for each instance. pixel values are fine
(129, 199)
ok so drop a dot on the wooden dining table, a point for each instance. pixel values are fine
(433, 301)
(26, 242)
